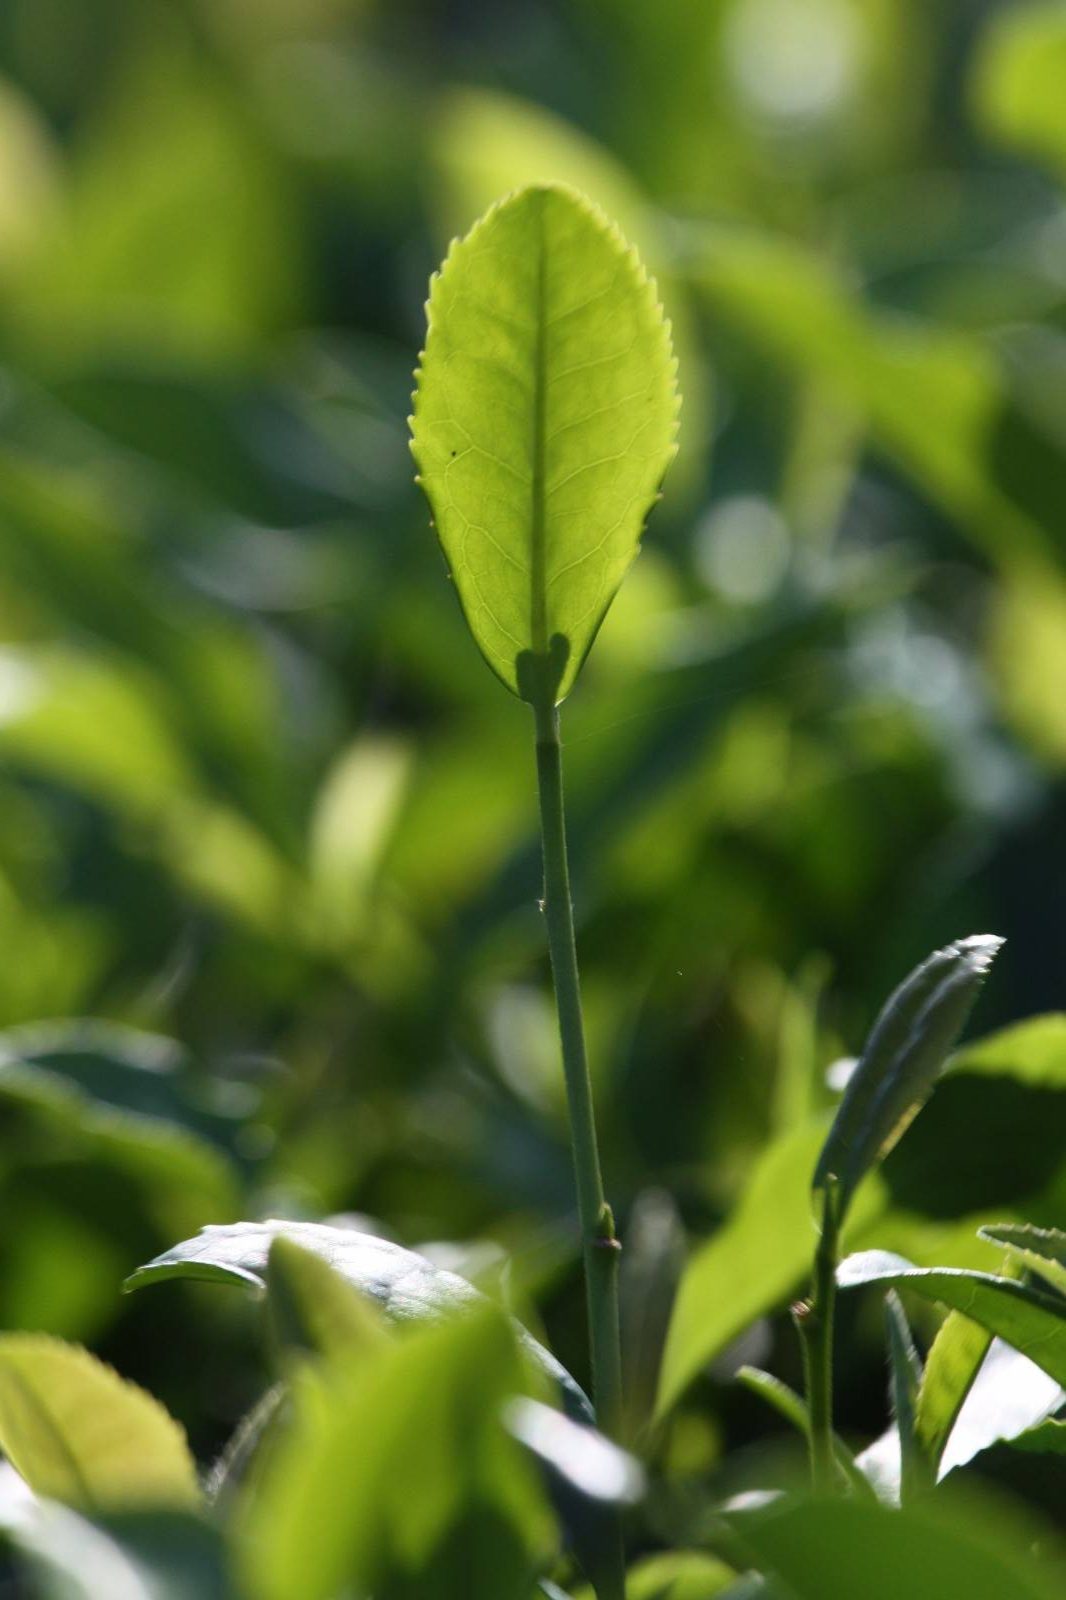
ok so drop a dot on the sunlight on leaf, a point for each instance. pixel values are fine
(80, 1434)
(544, 421)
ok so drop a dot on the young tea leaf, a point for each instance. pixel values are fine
(905, 1370)
(953, 1362)
(795, 1410)
(906, 1049)
(80, 1434)
(313, 1307)
(1042, 1250)
(1032, 1320)
(398, 1477)
(545, 417)
(762, 1252)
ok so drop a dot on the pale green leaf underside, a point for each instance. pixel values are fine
(544, 419)
(80, 1434)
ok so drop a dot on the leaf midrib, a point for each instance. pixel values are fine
(32, 1399)
(538, 620)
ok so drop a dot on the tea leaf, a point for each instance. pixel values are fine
(762, 1252)
(544, 420)
(906, 1374)
(313, 1307)
(675, 1575)
(795, 1410)
(1030, 1319)
(1017, 81)
(847, 1547)
(1043, 1250)
(80, 1434)
(398, 1469)
(953, 1362)
(133, 1555)
(406, 1286)
(904, 1052)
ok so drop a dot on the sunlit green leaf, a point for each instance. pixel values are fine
(675, 1575)
(313, 1307)
(905, 1050)
(953, 1362)
(80, 1434)
(544, 420)
(396, 1467)
(1032, 1320)
(755, 1260)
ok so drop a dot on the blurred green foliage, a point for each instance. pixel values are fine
(257, 792)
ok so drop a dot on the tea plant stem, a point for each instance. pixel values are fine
(814, 1319)
(600, 1247)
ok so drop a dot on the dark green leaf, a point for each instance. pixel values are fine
(905, 1370)
(906, 1049)
(847, 1548)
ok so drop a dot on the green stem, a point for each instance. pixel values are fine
(600, 1247)
(814, 1320)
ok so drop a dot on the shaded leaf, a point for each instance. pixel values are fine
(844, 1547)
(406, 1286)
(757, 1258)
(905, 1050)
(905, 1370)
(136, 1556)
(795, 1410)
(544, 420)
(586, 1476)
(80, 1434)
